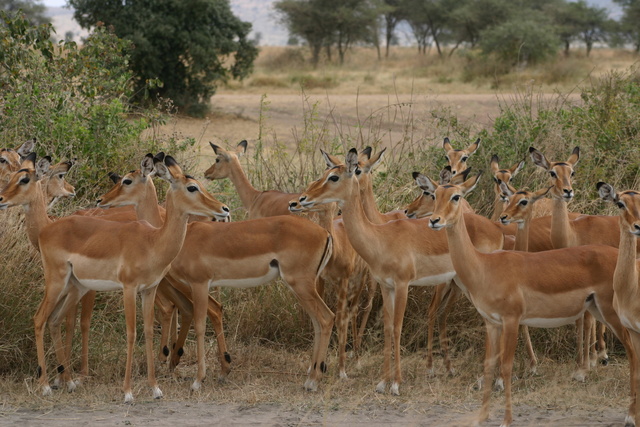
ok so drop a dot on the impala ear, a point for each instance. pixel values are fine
(445, 175)
(158, 157)
(473, 147)
(42, 167)
(351, 161)
(539, 159)
(506, 189)
(26, 148)
(215, 147)
(493, 164)
(114, 177)
(607, 192)
(366, 152)
(471, 183)
(516, 168)
(373, 162)
(541, 193)
(574, 157)
(447, 145)
(330, 160)
(147, 165)
(426, 184)
(241, 148)
(29, 162)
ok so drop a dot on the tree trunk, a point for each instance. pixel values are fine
(567, 43)
(315, 54)
(327, 49)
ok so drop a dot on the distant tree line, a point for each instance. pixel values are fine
(519, 31)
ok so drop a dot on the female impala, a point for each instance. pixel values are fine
(543, 289)
(399, 253)
(626, 284)
(10, 159)
(83, 253)
(458, 158)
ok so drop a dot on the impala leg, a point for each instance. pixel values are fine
(148, 301)
(129, 298)
(342, 323)
(602, 345)
(200, 294)
(69, 327)
(67, 305)
(402, 290)
(450, 298)
(634, 417)
(388, 306)
(88, 303)
(436, 300)
(166, 311)
(371, 293)
(492, 349)
(583, 362)
(508, 350)
(214, 312)
(533, 360)
(322, 319)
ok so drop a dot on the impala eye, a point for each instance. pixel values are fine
(358, 171)
(25, 180)
(455, 198)
(217, 160)
(464, 158)
(334, 178)
(2, 160)
(192, 188)
(524, 202)
(553, 174)
(572, 173)
(620, 205)
(61, 176)
(127, 181)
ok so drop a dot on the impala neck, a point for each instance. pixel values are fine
(560, 227)
(464, 256)
(360, 230)
(245, 190)
(147, 209)
(522, 236)
(369, 203)
(172, 233)
(36, 215)
(625, 278)
(498, 208)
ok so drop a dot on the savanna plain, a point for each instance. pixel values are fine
(286, 111)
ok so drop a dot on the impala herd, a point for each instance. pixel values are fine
(533, 263)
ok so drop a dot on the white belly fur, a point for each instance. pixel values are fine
(247, 282)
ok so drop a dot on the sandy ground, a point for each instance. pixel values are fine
(170, 413)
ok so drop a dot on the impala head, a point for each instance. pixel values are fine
(629, 204)
(425, 203)
(448, 208)
(130, 188)
(520, 207)
(560, 173)
(335, 184)
(10, 159)
(22, 188)
(222, 167)
(503, 175)
(53, 182)
(187, 192)
(458, 158)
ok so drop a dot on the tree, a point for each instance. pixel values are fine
(630, 22)
(33, 10)
(189, 45)
(590, 23)
(527, 37)
(392, 14)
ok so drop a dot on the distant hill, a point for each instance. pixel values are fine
(259, 13)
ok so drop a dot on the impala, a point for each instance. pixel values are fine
(10, 159)
(458, 158)
(584, 230)
(543, 289)
(399, 253)
(248, 254)
(625, 279)
(80, 254)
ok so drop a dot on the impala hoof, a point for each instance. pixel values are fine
(431, 373)
(46, 390)
(498, 385)
(604, 362)
(311, 385)
(56, 384)
(579, 376)
(629, 421)
(157, 393)
(343, 375)
(395, 389)
(71, 386)
(196, 386)
(128, 398)
(381, 387)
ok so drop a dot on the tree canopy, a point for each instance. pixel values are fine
(189, 45)
(33, 10)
